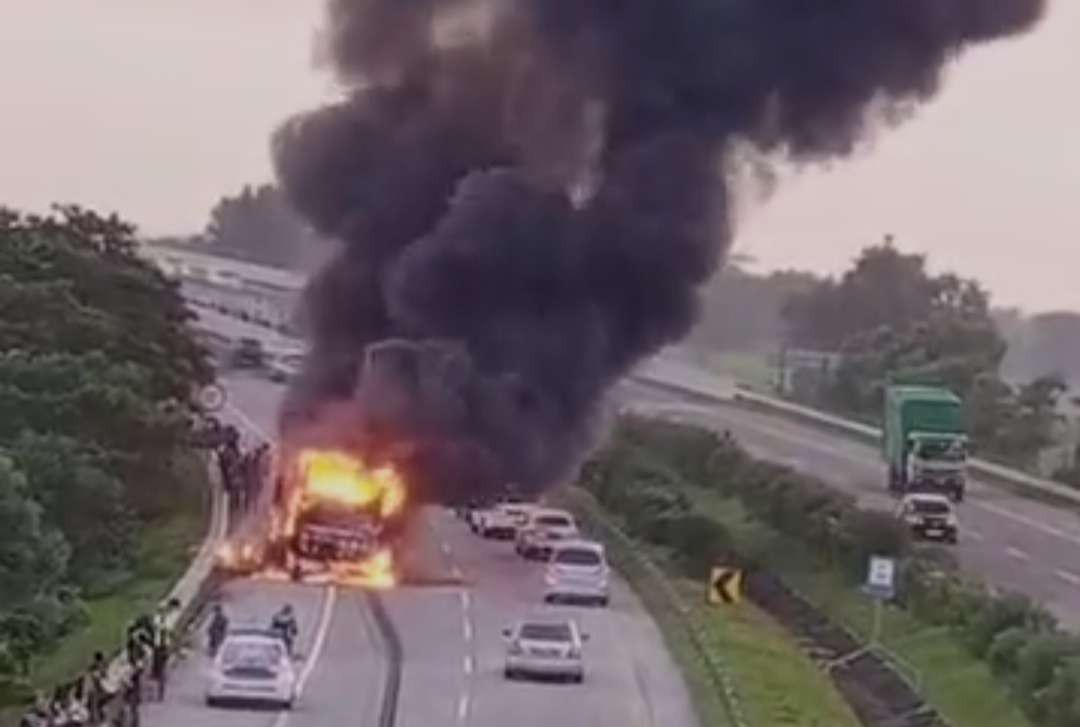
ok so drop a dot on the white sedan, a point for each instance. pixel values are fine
(252, 667)
(544, 648)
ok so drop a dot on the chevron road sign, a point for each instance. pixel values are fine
(725, 586)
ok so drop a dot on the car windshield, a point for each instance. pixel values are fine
(251, 653)
(546, 632)
(577, 556)
(930, 507)
(557, 521)
(942, 450)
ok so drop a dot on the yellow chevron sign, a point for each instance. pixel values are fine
(725, 586)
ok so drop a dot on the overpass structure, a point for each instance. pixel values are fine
(261, 294)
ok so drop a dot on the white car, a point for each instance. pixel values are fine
(285, 367)
(542, 530)
(577, 572)
(252, 666)
(501, 521)
(929, 515)
(546, 649)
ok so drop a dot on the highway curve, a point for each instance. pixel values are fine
(1011, 541)
(452, 642)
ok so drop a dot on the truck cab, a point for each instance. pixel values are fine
(936, 463)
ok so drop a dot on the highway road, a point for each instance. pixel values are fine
(1011, 541)
(451, 636)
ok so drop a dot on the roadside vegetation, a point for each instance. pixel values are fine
(96, 372)
(984, 658)
(737, 648)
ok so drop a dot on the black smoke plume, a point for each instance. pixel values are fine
(530, 193)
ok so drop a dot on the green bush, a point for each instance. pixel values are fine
(1037, 666)
(997, 615)
(1003, 656)
(1059, 703)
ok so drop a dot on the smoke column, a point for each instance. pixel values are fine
(530, 193)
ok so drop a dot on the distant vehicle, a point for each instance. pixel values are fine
(502, 520)
(542, 530)
(930, 516)
(577, 572)
(546, 649)
(252, 667)
(925, 441)
(285, 367)
(248, 354)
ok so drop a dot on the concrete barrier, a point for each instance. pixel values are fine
(692, 380)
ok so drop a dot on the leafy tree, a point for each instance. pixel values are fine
(258, 225)
(742, 311)
(33, 557)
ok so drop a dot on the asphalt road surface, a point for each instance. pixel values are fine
(452, 640)
(1012, 542)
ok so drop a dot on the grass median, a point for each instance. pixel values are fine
(772, 681)
(960, 686)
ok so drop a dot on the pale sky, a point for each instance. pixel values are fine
(155, 108)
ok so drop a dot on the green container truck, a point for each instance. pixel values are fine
(925, 440)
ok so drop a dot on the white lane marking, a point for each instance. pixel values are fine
(972, 534)
(468, 664)
(320, 639)
(464, 599)
(1041, 527)
(1017, 553)
(446, 548)
(466, 628)
(463, 708)
(455, 571)
(1067, 576)
(316, 650)
(248, 422)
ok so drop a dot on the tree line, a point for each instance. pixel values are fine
(96, 371)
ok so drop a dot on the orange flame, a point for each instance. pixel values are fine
(343, 478)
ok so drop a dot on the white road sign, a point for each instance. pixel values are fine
(882, 573)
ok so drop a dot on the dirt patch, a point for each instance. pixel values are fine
(877, 693)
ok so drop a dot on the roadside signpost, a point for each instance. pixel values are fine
(881, 586)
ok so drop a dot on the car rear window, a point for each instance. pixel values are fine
(578, 556)
(546, 632)
(251, 654)
(558, 521)
(930, 507)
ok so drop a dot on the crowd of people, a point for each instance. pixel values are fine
(111, 693)
(242, 472)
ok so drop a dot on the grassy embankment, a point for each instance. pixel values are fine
(740, 647)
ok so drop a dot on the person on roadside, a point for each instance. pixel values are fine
(97, 691)
(284, 624)
(219, 626)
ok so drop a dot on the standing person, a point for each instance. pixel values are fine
(97, 693)
(159, 650)
(133, 688)
(284, 624)
(219, 626)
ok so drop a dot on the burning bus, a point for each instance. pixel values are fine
(329, 514)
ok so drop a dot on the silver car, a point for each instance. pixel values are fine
(545, 648)
(577, 571)
(252, 666)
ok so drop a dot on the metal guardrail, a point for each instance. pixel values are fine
(686, 378)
